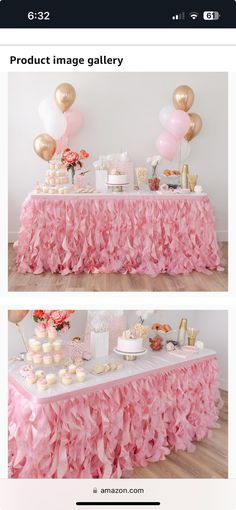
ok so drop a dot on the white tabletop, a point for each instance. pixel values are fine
(151, 361)
(120, 195)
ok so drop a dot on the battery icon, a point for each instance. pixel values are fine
(211, 15)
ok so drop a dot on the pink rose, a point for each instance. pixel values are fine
(83, 154)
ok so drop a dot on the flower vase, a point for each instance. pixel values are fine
(154, 183)
(72, 175)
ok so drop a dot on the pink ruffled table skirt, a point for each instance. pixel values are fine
(107, 431)
(149, 234)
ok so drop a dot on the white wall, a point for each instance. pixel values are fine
(213, 327)
(120, 112)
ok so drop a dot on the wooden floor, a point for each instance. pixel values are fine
(215, 282)
(208, 461)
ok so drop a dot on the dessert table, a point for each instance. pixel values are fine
(133, 232)
(110, 423)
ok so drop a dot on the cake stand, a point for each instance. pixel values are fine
(130, 356)
(117, 188)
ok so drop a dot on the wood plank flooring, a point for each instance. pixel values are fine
(214, 282)
(208, 461)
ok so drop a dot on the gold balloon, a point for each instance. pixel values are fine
(16, 316)
(65, 95)
(195, 126)
(45, 146)
(183, 98)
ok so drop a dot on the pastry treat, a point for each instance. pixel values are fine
(51, 378)
(47, 359)
(36, 346)
(38, 359)
(72, 368)
(40, 331)
(39, 374)
(169, 173)
(31, 341)
(26, 370)
(165, 328)
(62, 372)
(42, 384)
(57, 345)
(67, 379)
(80, 375)
(29, 356)
(57, 357)
(47, 347)
(52, 333)
(31, 378)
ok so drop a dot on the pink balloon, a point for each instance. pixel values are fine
(178, 124)
(62, 143)
(73, 119)
(167, 145)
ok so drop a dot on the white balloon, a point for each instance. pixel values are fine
(55, 123)
(46, 105)
(185, 149)
(164, 114)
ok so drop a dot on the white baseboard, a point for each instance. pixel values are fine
(12, 237)
(223, 384)
(222, 235)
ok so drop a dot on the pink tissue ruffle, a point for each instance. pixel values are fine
(127, 235)
(107, 432)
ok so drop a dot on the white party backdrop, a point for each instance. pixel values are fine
(120, 113)
(213, 327)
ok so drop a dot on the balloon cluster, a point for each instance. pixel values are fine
(61, 121)
(181, 127)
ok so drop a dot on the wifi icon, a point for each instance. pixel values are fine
(194, 15)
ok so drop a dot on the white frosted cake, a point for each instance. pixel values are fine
(117, 180)
(129, 345)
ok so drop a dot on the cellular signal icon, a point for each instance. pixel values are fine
(180, 16)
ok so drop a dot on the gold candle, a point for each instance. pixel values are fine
(192, 335)
(192, 181)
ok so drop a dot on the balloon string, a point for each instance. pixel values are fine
(22, 336)
(180, 162)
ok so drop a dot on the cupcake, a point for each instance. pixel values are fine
(31, 378)
(57, 358)
(36, 346)
(40, 331)
(67, 379)
(47, 347)
(47, 359)
(62, 372)
(80, 375)
(29, 356)
(38, 359)
(31, 341)
(52, 333)
(57, 345)
(42, 384)
(51, 378)
(39, 374)
(72, 368)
